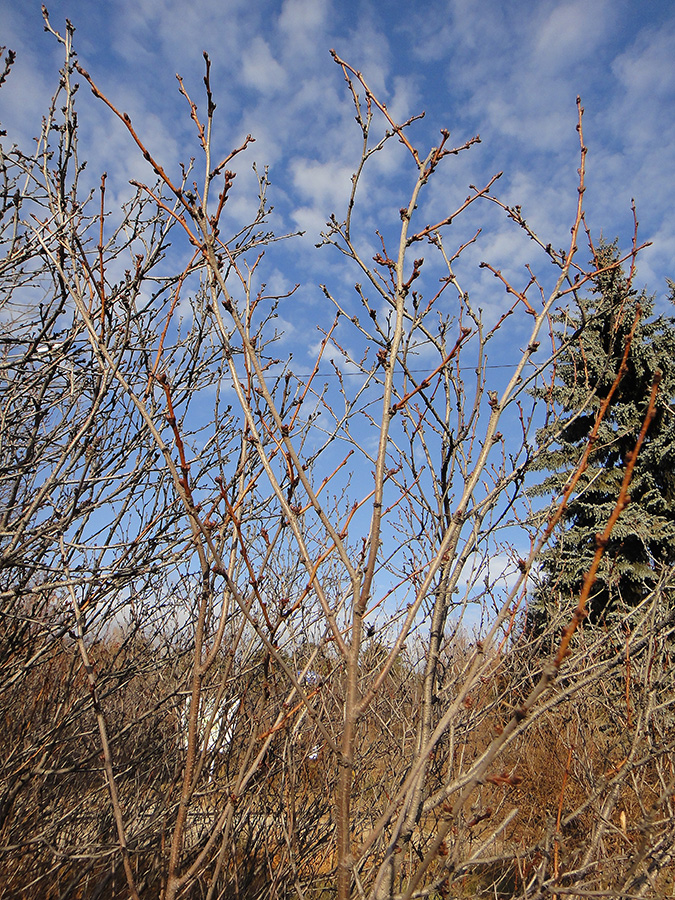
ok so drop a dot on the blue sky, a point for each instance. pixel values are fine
(509, 71)
(505, 70)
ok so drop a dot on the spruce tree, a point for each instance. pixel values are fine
(591, 340)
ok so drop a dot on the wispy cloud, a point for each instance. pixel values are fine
(510, 73)
(261, 70)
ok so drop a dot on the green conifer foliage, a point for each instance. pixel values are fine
(592, 339)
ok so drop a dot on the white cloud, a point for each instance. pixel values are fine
(368, 50)
(302, 17)
(494, 67)
(175, 32)
(261, 70)
(645, 69)
(309, 219)
(326, 184)
(565, 36)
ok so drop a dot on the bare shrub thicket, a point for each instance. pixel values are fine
(231, 658)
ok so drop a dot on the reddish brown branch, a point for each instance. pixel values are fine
(509, 289)
(430, 229)
(125, 118)
(397, 129)
(583, 464)
(464, 336)
(174, 302)
(184, 481)
(193, 112)
(603, 540)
